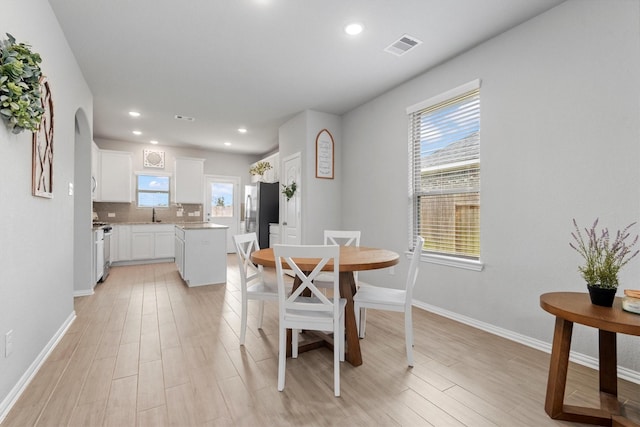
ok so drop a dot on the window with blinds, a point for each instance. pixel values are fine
(444, 187)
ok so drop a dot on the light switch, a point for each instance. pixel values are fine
(71, 188)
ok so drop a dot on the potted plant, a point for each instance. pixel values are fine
(20, 104)
(289, 190)
(260, 168)
(603, 258)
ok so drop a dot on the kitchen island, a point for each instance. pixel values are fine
(201, 253)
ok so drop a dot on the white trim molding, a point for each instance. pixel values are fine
(21, 385)
(579, 358)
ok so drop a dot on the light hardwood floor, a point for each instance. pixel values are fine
(146, 350)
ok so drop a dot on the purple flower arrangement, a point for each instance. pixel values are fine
(603, 256)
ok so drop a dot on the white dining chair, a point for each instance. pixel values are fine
(252, 283)
(315, 312)
(341, 238)
(389, 299)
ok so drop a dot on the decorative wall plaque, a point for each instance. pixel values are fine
(42, 139)
(324, 155)
(153, 159)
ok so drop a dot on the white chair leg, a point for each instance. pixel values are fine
(260, 314)
(295, 335)
(363, 322)
(408, 335)
(336, 361)
(243, 322)
(341, 341)
(282, 356)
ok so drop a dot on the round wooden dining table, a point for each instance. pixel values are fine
(352, 259)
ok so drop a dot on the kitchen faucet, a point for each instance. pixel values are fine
(153, 214)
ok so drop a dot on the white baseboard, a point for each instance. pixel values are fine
(579, 358)
(21, 385)
(84, 293)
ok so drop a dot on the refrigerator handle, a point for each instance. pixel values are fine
(247, 213)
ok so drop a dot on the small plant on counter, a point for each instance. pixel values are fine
(289, 190)
(260, 168)
(20, 96)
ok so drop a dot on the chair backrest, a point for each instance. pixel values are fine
(342, 238)
(413, 269)
(319, 256)
(246, 244)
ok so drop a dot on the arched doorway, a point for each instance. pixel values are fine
(82, 235)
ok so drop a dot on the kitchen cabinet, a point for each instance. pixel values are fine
(274, 234)
(152, 241)
(115, 176)
(95, 158)
(188, 180)
(201, 253)
(120, 242)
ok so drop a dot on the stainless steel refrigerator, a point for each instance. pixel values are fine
(261, 207)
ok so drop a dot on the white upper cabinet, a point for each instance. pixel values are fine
(188, 180)
(95, 159)
(115, 176)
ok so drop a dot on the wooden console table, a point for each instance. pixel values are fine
(574, 307)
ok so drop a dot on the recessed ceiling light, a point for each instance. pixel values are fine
(134, 114)
(227, 143)
(153, 141)
(137, 132)
(353, 29)
(242, 130)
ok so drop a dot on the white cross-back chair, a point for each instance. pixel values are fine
(252, 282)
(314, 312)
(380, 298)
(341, 238)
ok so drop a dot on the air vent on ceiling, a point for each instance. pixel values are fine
(185, 118)
(403, 45)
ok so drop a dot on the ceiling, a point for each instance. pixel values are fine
(256, 63)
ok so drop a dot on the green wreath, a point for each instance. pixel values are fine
(20, 104)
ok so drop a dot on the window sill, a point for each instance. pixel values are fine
(467, 264)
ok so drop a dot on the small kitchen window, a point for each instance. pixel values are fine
(152, 191)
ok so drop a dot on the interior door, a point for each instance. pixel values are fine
(222, 204)
(291, 209)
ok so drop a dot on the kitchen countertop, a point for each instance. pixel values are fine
(201, 226)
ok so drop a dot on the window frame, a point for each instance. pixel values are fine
(168, 192)
(452, 260)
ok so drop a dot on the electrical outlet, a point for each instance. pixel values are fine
(8, 343)
(111, 214)
(196, 213)
(392, 270)
(179, 213)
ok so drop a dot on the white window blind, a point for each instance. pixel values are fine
(444, 187)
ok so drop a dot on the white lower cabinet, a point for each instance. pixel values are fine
(201, 254)
(142, 242)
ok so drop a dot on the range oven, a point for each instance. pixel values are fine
(107, 230)
(102, 236)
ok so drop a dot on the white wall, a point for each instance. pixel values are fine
(560, 136)
(36, 234)
(321, 203)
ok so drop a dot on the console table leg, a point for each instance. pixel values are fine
(608, 362)
(558, 368)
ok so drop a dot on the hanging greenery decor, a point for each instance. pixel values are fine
(289, 190)
(20, 104)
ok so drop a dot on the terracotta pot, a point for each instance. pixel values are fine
(601, 296)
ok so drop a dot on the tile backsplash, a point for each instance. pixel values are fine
(129, 212)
